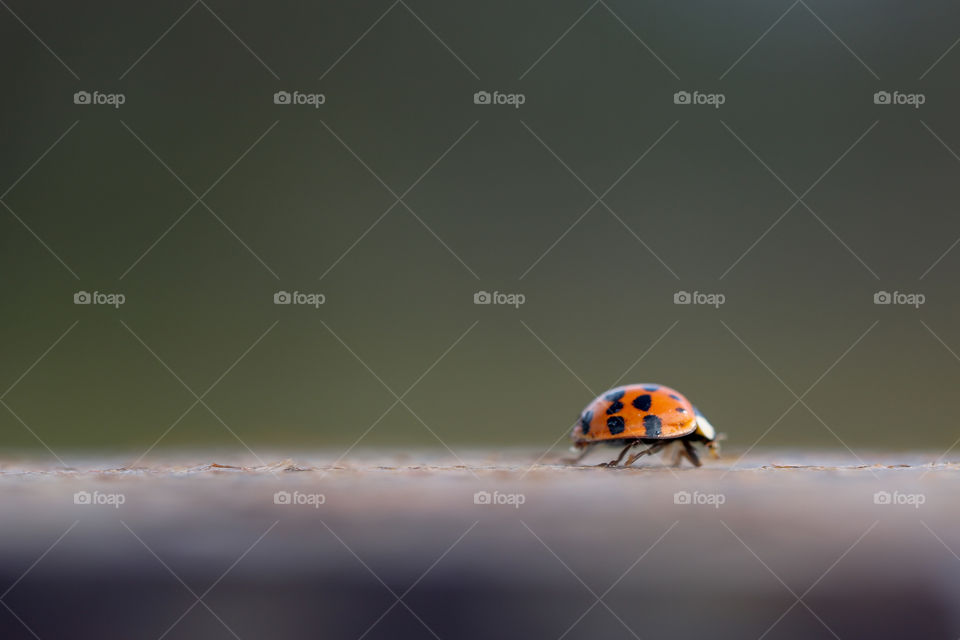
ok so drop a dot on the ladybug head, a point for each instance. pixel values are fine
(714, 447)
(709, 435)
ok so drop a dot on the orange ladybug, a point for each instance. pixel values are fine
(643, 414)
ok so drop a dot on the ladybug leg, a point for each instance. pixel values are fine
(649, 450)
(587, 448)
(673, 454)
(623, 452)
(690, 453)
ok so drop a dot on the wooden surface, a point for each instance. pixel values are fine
(756, 534)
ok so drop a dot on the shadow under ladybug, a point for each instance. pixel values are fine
(650, 415)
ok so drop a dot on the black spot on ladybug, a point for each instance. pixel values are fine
(643, 402)
(615, 425)
(652, 424)
(674, 396)
(613, 396)
(585, 421)
(614, 408)
(651, 387)
(681, 410)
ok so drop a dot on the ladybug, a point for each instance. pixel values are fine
(643, 414)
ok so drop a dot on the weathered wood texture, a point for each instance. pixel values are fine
(810, 537)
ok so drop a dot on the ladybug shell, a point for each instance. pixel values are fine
(648, 411)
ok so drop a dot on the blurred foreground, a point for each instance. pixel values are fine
(780, 545)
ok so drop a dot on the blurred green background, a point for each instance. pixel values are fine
(299, 212)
